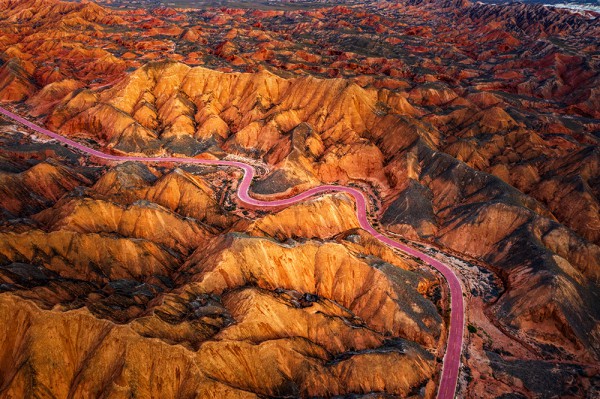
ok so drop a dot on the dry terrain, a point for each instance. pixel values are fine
(475, 129)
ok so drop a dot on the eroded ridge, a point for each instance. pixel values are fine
(452, 356)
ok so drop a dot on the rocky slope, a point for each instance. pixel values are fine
(131, 262)
(473, 127)
(398, 155)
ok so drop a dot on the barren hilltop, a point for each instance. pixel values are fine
(473, 129)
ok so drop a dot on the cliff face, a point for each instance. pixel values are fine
(472, 128)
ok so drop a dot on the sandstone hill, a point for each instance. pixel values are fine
(473, 128)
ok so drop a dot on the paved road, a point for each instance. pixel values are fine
(457, 319)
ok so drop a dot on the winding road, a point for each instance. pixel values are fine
(451, 365)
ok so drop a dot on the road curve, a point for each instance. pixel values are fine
(451, 363)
